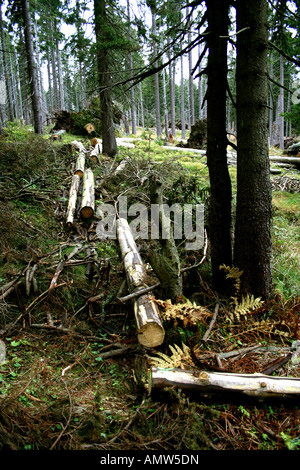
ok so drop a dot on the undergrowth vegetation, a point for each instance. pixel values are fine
(82, 384)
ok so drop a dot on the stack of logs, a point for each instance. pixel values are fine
(88, 190)
(150, 331)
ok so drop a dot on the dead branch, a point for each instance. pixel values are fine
(213, 320)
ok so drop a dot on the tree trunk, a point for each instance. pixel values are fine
(182, 99)
(54, 74)
(142, 107)
(166, 264)
(156, 79)
(200, 85)
(20, 104)
(133, 108)
(3, 118)
(165, 104)
(5, 66)
(281, 106)
(24, 80)
(258, 385)
(32, 72)
(191, 78)
(109, 145)
(271, 104)
(253, 244)
(149, 327)
(172, 97)
(49, 82)
(219, 217)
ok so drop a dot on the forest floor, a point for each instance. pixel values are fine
(72, 373)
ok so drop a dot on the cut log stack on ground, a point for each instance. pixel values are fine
(82, 178)
(149, 327)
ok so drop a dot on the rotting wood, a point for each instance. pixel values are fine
(258, 385)
(150, 331)
(80, 165)
(72, 200)
(88, 194)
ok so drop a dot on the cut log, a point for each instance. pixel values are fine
(290, 160)
(259, 385)
(80, 164)
(95, 141)
(96, 152)
(88, 195)
(150, 331)
(184, 149)
(72, 200)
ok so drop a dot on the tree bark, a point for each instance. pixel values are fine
(88, 195)
(182, 98)
(149, 327)
(271, 104)
(80, 164)
(54, 71)
(24, 80)
(281, 106)
(191, 78)
(72, 200)
(172, 98)
(32, 72)
(166, 264)
(5, 66)
(253, 244)
(133, 107)
(219, 217)
(142, 107)
(166, 114)
(156, 78)
(109, 145)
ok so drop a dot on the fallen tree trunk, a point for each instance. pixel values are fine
(150, 331)
(88, 195)
(72, 200)
(290, 160)
(259, 385)
(80, 164)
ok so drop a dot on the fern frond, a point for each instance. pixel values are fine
(180, 358)
(247, 304)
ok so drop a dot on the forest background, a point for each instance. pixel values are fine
(147, 70)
